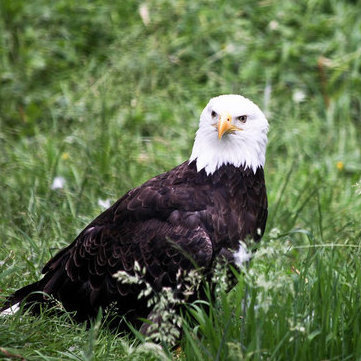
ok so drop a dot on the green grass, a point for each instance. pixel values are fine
(90, 93)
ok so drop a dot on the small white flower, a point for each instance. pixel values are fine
(104, 203)
(274, 232)
(230, 48)
(58, 183)
(144, 14)
(358, 188)
(273, 25)
(70, 139)
(298, 96)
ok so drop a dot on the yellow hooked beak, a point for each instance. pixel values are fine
(225, 125)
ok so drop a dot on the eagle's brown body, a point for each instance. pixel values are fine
(176, 221)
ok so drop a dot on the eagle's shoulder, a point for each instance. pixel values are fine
(181, 188)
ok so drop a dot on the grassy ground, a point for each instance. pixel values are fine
(108, 94)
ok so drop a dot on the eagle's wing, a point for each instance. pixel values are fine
(156, 225)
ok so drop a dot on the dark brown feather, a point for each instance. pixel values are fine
(178, 220)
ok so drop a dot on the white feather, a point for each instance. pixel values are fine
(243, 148)
(10, 311)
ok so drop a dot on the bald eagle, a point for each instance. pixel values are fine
(180, 220)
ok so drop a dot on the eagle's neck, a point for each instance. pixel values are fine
(211, 153)
(227, 173)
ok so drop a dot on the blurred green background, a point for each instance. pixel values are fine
(108, 94)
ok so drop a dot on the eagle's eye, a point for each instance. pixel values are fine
(213, 114)
(242, 118)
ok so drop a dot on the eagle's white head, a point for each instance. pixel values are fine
(232, 130)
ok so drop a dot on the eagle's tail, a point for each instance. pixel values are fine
(25, 296)
(39, 292)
